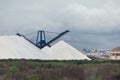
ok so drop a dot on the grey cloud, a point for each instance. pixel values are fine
(94, 24)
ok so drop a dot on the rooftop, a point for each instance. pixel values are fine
(117, 49)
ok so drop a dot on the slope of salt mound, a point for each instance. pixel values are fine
(16, 47)
(63, 51)
(48, 51)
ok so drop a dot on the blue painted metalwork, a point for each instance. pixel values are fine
(41, 40)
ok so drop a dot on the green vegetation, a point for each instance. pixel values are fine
(59, 70)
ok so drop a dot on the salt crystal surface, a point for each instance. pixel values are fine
(49, 52)
(63, 51)
(15, 47)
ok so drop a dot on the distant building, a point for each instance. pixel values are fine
(115, 53)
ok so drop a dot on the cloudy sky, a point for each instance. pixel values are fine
(93, 23)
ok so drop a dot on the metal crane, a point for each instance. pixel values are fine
(41, 38)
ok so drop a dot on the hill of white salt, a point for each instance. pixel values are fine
(49, 52)
(15, 47)
(63, 51)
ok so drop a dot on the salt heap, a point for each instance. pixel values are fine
(63, 51)
(49, 52)
(16, 47)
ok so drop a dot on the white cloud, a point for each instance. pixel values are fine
(84, 17)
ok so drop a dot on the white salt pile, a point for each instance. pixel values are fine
(49, 52)
(15, 47)
(63, 51)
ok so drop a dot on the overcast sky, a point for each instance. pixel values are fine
(93, 23)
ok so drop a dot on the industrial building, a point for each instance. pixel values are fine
(115, 53)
